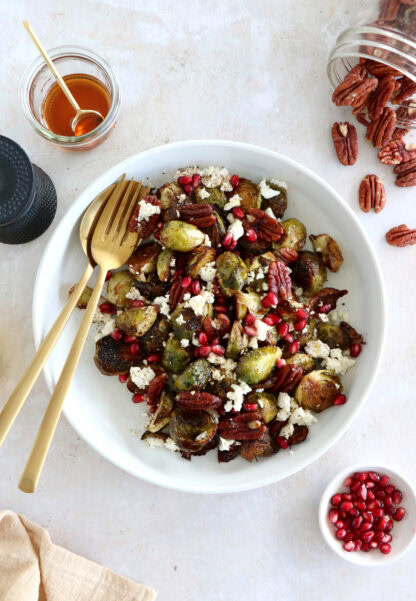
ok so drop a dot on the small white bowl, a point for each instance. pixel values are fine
(403, 532)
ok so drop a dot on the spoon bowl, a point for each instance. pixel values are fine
(85, 121)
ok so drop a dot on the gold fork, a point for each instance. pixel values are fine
(111, 246)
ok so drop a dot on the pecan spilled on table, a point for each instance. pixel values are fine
(372, 194)
(380, 131)
(387, 85)
(401, 236)
(396, 152)
(406, 174)
(355, 89)
(345, 140)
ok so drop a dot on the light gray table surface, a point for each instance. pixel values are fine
(253, 71)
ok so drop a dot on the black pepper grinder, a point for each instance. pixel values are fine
(27, 196)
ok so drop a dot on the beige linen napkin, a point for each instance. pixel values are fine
(32, 568)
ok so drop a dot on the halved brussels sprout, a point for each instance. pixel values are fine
(163, 412)
(195, 377)
(309, 334)
(144, 259)
(267, 403)
(333, 336)
(152, 341)
(163, 265)
(118, 286)
(249, 193)
(113, 357)
(216, 196)
(169, 193)
(306, 362)
(278, 203)
(192, 430)
(151, 288)
(318, 390)
(231, 272)
(237, 341)
(137, 321)
(84, 298)
(295, 235)
(252, 449)
(198, 258)
(258, 364)
(328, 250)
(248, 302)
(309, 272)
(185, 323)
(181, 236)
(175, 357)
(222, 224)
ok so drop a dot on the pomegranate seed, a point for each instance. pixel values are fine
(373, 506)
(107, 308)
(361, 476)
(357, 484)
(155, 358)
(218, 349)
(388, 502)
(109, 274)
(116, 335)
(299, 325)
(347, 524)
(138, 398)
(389, 489)
(157, 234)
(134, 348)
(339, 524)
(238, 212)
(348, 481)
(385, 548)
(354, 512)
(356, 523)
(270, 300)
(341, 533)
(196, 288)
(368, 536)
(333, 516)
(136, 303)
(370, 496)
(294, 347)
(370, 484)
(380, 494)
(186, 282)
(283, 328)
(349, 546)
(389, 526)
(250, 406)
(188, 189)
(196, 352)
(346, 505)
(202, 338)
(360, 505)
(235, 181)
(346, 496)
(384, 480)
(399, 514)
(336, 500)
(387, 538)
(397, 497)
(374, 476)
(196, 180)
(250, 331)
(340, 399)
(269, 320)
(374, 544)
(276, 318)
(249, 319)
(288, 338)
(220, 309)
(280, 363)
(378, 512)
(367, 517)
(204, 351)
(362, 492)
(228, 240)
(365, 548)
(123, 378)
(251, 235)
(282, 442)
(184, 180)
(349, 536)
(130, 338)
(357, 545)
(355, 350)
(366, 526)
(302, 314)
(325, 308)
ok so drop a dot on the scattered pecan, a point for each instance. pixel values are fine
(286, 255)
(406, 174)
(381, 95)
(380, 131)
(396, 152)
(407, 88)
(252, 449)
(275, 426)
(155, 390)
(200, 215)
(286, 378)
(176, 293)
(299, 435)
(399, 133)
(243, 426)
(401, 236)
(145, 227)
(326, 296)
(345, 140)
(355, 89)
(407, 111)
(380, 70)
(372, 194)
(363, 119)
(279, 280)
(267, 228)
(232, 453)
(198, 400)
(353, 336)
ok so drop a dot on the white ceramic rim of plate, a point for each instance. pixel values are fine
(112, 175)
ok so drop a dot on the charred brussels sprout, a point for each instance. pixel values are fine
(306, 362)
(137, 321)
(258, 364)
(192, 430)
(333, 336)
(152, 341)
(231, 272)
(248, 302)
(309, 334)
(198, 258)
(163, 412)
(309, 273)
(185, 323)
(249, 193)
(169, 193)
(328, 250)
(163, 266)
(84, 298)
(144, 259)
(278, 203)
(195, 377)
(216, 196)
(118, 286)
(294, 237)
(318, 390)
(267, 403)
(237, 342)
(175, 357)
(181, 236)
(113, 357)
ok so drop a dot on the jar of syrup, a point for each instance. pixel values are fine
(92, 83)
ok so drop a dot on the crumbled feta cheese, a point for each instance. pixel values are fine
(225, 445)
(184, 342)
(135, 294)
(236, 396)
(235, 201)
(186, 296)
(200, 436)
(107, 328)
(182, 197)
(197, 303)
(298, 291)
(155, 442)
(231, 218)
(270, 213)
(323, 317)
(236, 229)
(141, 376)
(171, 445)
(266, 191)
(217, 375)
(163, 302)
(172, 262)
(283, 402)
(208, 272)
(262, 329)
(147, 210)
(338, 363)
(207, 240)
(337, 315)
(180, 320)
(317, 349)
(265, 286)
(203, 193)
(278, 182)
(299, 417)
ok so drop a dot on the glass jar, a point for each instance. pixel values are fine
(38, 80)
(385, 31)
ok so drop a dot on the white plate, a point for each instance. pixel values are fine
(100, 409)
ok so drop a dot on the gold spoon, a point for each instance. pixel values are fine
(25, 385)
(84, 120)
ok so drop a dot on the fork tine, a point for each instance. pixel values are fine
(123, 224)
(110, 209)
(118, 216)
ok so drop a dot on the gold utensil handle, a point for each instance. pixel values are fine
(11, 409)
(32, 471)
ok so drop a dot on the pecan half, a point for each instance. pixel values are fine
(407, 88)
(176, 293)
(372, 194)
(380, 70)
(198, 400)
(326, 296)
(146, 226)
(232, 453)
(244, 426)
(407, 111)
(396, 152)
(355, 89)
(399, 133)
(267, 228)
(406, 174)
(286, 378)
(380, 131)
(381, 95)
(345, 140)
(287, 255)
(279, 280)
(401, 236)
(363, 119)
(353, 336)
(155, 390)
(299, 435)
(200, 215)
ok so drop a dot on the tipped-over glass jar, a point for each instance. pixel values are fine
(383, 31)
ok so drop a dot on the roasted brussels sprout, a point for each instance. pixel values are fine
(231, 272)
(151, 288)
(267, 403)
(309, 272)
(118, 286)
(252, 449)
(152, 341)
(222, 224)
(237, 342)
(328, 250)
(216, 196)
(113, 357)
(258, 364)
(175, 357)
(295, 235)
(198, 258)
(306, 362)
(163, 412)
(137, 321)
(333, 336)
(318, 390)
(248, 302)
(164, 264)
(144, 259)
(192, 430)
(249, 193)
(185, 323)
(326, 296)
(309, 334)
(278, 203)
(195, 377)
(169, 193)
(84, 298)
(181, 236)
